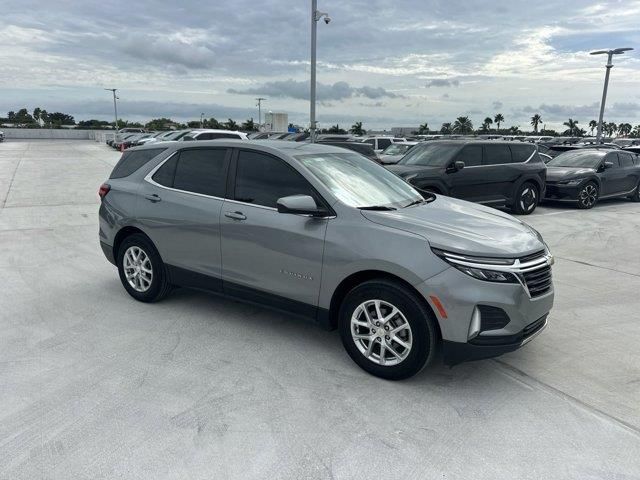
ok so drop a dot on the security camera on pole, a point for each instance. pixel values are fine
(610, 53)
(315, 16)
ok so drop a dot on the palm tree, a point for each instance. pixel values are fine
(535, 121)
(592, 126)
(357, 129)
(423, 129)
(636, 131)
(446, 128)
(611, 128)
(249, 125)
(573, 126)
(231, 125)
(514, 130)
(486, 125)
(624, 129)
(499, 118)
(462, 125)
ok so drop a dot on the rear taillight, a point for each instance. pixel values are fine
(103, 190)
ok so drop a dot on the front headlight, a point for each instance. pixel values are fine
(572, 183)
(479, 267)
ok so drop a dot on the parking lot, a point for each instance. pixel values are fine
(96, 385)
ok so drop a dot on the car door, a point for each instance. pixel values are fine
(272, 257)
(613, 178)
(630, 171)
(180, 207)
(468, 183)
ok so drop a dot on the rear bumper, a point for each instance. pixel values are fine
(479, 348)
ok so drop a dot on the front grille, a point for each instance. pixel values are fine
(533, 256)
(492, 318)
(538, 281)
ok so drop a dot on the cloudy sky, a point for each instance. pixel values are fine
(386, 63)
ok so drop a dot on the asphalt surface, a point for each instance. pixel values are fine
(96, 385)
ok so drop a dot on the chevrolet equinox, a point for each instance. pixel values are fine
(327, 234)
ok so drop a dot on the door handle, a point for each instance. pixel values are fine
(153, 198)
(235, 215)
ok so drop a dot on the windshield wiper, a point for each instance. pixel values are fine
(415, 202)
(377, 207)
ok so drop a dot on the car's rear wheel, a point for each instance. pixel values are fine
(588, 196)
(387, 330)
(141, 270)
(527, 199)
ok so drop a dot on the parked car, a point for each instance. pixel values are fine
(362, 148)
(585, 176)
(1, 136)
(381, 143)
(213, 134)
(124, 140)
(626, 142)
(307, 228)
(394, 152)
(496, 173)
(132, 130)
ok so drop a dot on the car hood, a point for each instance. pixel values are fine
(463, 227)
(567, 173)
(389, 159)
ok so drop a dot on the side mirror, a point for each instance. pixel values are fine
(455, 166)
(608, 165)
(300, 205)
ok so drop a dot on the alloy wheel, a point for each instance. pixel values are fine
(528, 199)
(138, 269)
(381, 332)
(588, 195)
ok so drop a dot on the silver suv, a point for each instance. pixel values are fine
(329, 235)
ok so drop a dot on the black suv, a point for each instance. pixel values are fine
(510, 174)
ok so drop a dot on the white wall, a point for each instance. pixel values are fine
(54, 133)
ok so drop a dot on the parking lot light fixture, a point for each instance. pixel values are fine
(115, 105)
(315, 16)
(609, 66)
(259, 105)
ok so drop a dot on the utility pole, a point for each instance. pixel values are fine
(315, 16)
(115, 105)
(260, 100)
(201, 120)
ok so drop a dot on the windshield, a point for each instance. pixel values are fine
(396, 149)
(576, 159)
(358, 182)
(432, 155)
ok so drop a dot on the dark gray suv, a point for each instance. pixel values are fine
(327, 234)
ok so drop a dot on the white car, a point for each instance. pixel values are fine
(381, 143)
(212, 134)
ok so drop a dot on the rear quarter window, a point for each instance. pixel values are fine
(133, 160)
(521, 153)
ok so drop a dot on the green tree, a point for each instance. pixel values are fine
(572, 125)
(231, 125)
(611, 128)
(446, 128)
(592, 126)
(357, 129)
(636, 132)
(515, 130)
(213, 123)
(423, 129)
(486, 125)
(335, 129)
(624, 129)
(535, 121)
(249, 125)
(159, 124)
(463, 125)
(11, 117)
(499, 118)
(23, 117)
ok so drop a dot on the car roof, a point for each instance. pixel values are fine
(213, 130)
(290, 148)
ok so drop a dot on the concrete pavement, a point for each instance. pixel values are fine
(96, 385)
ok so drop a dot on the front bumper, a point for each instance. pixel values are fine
(459, 295)
(564, 193)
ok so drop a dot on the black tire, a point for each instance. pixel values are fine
(635, 196)
(588, 196)
(159, 286)
(526, 199)
(419, 317)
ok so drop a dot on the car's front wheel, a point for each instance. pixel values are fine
(141, 269)
(527, 199)
(387, 330)
(588, 196)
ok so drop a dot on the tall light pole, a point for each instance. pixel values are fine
(201, 120)
(115, 105)
(315, 16)
(260, 100)
(609, 66)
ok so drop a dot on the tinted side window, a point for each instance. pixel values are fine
(224, 135)
(164, 175)
(202, 171)
(613, 158)
(625, 160)
(133, 160)
(262, 180)
(383, 143)
(204, 136)
(370, 142)
(521, 153)
(471, 155)
(496, 154)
